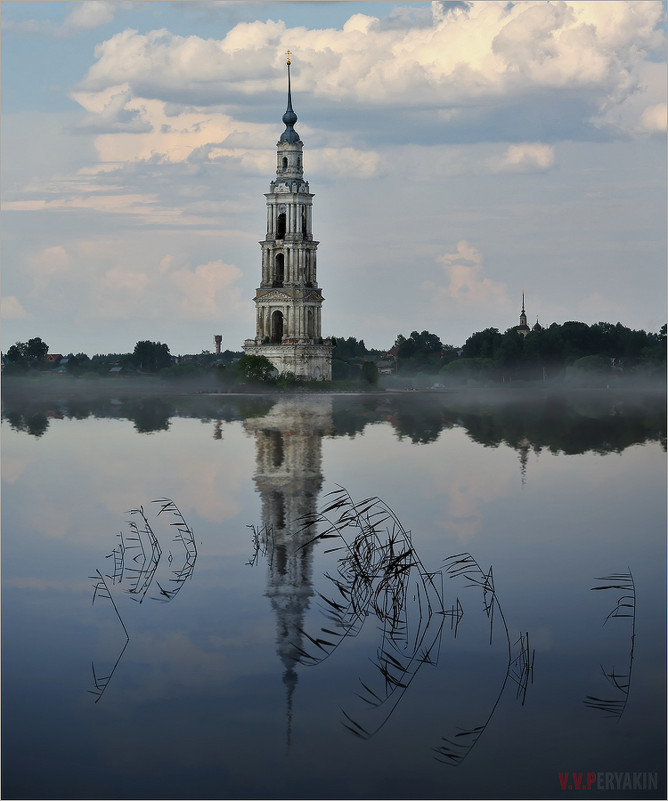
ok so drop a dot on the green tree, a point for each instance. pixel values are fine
(592, 364)
(370, 373)
(151, 356)
(78, 364)
(347, 349)
(32, 352)
(256, 369)
(36, 350)
(510, 350)
(16, 353)
(417, 344)
(345, 371)
(420, 352)
(578, 340)
(482, 344)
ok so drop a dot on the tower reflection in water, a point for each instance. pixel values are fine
(288, 441)
(375, 573)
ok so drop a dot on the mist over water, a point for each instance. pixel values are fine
(419, 595)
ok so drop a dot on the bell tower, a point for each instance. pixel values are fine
(522, 328)
(288, 302)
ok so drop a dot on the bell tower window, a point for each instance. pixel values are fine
(284, 163)
(276, 327)
(280, 226)
(279, 272)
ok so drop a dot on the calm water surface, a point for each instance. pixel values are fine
(484, 619)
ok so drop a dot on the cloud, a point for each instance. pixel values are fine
(12, 309)
(88, 15)
(654, 118)
(118, 112)
(209, 291)
(169, 289)
(526, 157)
(123, 280)
(47, 265)
(344, 162)
(468, 58)
(466, 286)
(138, 129)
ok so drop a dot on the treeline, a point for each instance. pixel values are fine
(562, 350)
(572, 350)
(147, 358)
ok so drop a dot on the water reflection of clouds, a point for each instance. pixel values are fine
(14, 465)
(453, 480)
(84, 467)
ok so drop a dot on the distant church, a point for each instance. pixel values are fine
(523, 328)
(288, 325)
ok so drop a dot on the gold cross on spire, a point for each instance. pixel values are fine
(288, 53)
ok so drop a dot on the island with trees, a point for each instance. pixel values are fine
(570, 354)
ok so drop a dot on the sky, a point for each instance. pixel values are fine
(460, 153)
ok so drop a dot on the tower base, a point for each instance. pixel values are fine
(306, 361)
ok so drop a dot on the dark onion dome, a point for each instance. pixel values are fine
(289, 118)
(537, 326)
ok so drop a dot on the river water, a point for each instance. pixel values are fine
(344, 596)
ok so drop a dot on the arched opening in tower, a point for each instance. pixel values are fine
(304, 231)
(280, 229)
(279, 272)
(276, 327)
(276, 444)
(310, 328)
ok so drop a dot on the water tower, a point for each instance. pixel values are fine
(218, 338)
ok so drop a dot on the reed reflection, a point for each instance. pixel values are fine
(379, 576)
(613, 702)
(135, 561)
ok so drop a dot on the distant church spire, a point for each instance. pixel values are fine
(523, 328)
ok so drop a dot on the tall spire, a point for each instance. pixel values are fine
(289, 118)
(523, 328)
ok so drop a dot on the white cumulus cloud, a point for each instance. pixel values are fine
(465, 57)
(525, 157)
(209, 291)
(654, 119)
(466, 284)
(87, 15)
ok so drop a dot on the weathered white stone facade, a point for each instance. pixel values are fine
(288, 326)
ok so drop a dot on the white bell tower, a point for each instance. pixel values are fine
(288, 327)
